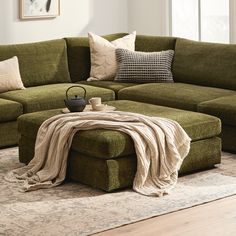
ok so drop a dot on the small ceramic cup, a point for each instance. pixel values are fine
(96, 101)
(100, 107)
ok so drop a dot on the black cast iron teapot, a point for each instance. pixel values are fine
(76, 104)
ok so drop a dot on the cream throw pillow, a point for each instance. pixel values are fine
(10, 78)
(103, 57)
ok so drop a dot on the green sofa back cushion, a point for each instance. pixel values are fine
(146, 43)
(79, 55)
(40, 63)
(207, 64)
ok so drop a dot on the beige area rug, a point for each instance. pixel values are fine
(74, 209)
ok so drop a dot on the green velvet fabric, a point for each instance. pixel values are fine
(8, 134)
(111, 144)
(52, 96)
(228, 136)
(203, 154)
(224, 108)
(146, 43)
(40, 63)
(79, 56)
(107, 175)
(115, 86)
(207, 64)
(9, 110)
(118, 173)
(26, 149)
(177, 95)
(79, 53)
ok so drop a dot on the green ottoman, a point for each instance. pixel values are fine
(106, 159)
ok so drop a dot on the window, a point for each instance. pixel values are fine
(215, 21)
(185, 19)
(204, 20)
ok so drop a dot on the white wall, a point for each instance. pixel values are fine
(80, 16)
(77, 18)
(101, 16)
(148, 16)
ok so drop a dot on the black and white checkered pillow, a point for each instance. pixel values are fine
(144, 67)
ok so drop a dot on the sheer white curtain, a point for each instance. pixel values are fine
(205, 20)
(185, 19)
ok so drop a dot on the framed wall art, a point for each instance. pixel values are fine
(36, 9)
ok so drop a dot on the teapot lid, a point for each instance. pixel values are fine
(76, 98)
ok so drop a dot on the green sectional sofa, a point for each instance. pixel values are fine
(204, 75)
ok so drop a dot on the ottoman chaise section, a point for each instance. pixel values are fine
(106, 159)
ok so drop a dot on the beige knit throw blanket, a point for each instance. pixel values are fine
(160, 144)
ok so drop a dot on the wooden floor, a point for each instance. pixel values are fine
(217, 218)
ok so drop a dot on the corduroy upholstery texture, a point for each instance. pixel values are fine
(224, 108)
(52, 96)
(112, 174)
(207, 64)
(115, 86)
(112, 144)
(40, 63)
(9, 110)
(177, 95)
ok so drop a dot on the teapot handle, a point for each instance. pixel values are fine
(74, 87)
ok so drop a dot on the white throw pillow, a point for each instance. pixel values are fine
(103, 57)
(10, 78)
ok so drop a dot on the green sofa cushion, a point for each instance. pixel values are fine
(224, 108)
(9, 110)
(228, 137)
(110, 144)
(40, 63)
(115, 86)
(146, 43)
(177, 95)
(79, 55)
(52, 96)
(208, 64)
(8, 134)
